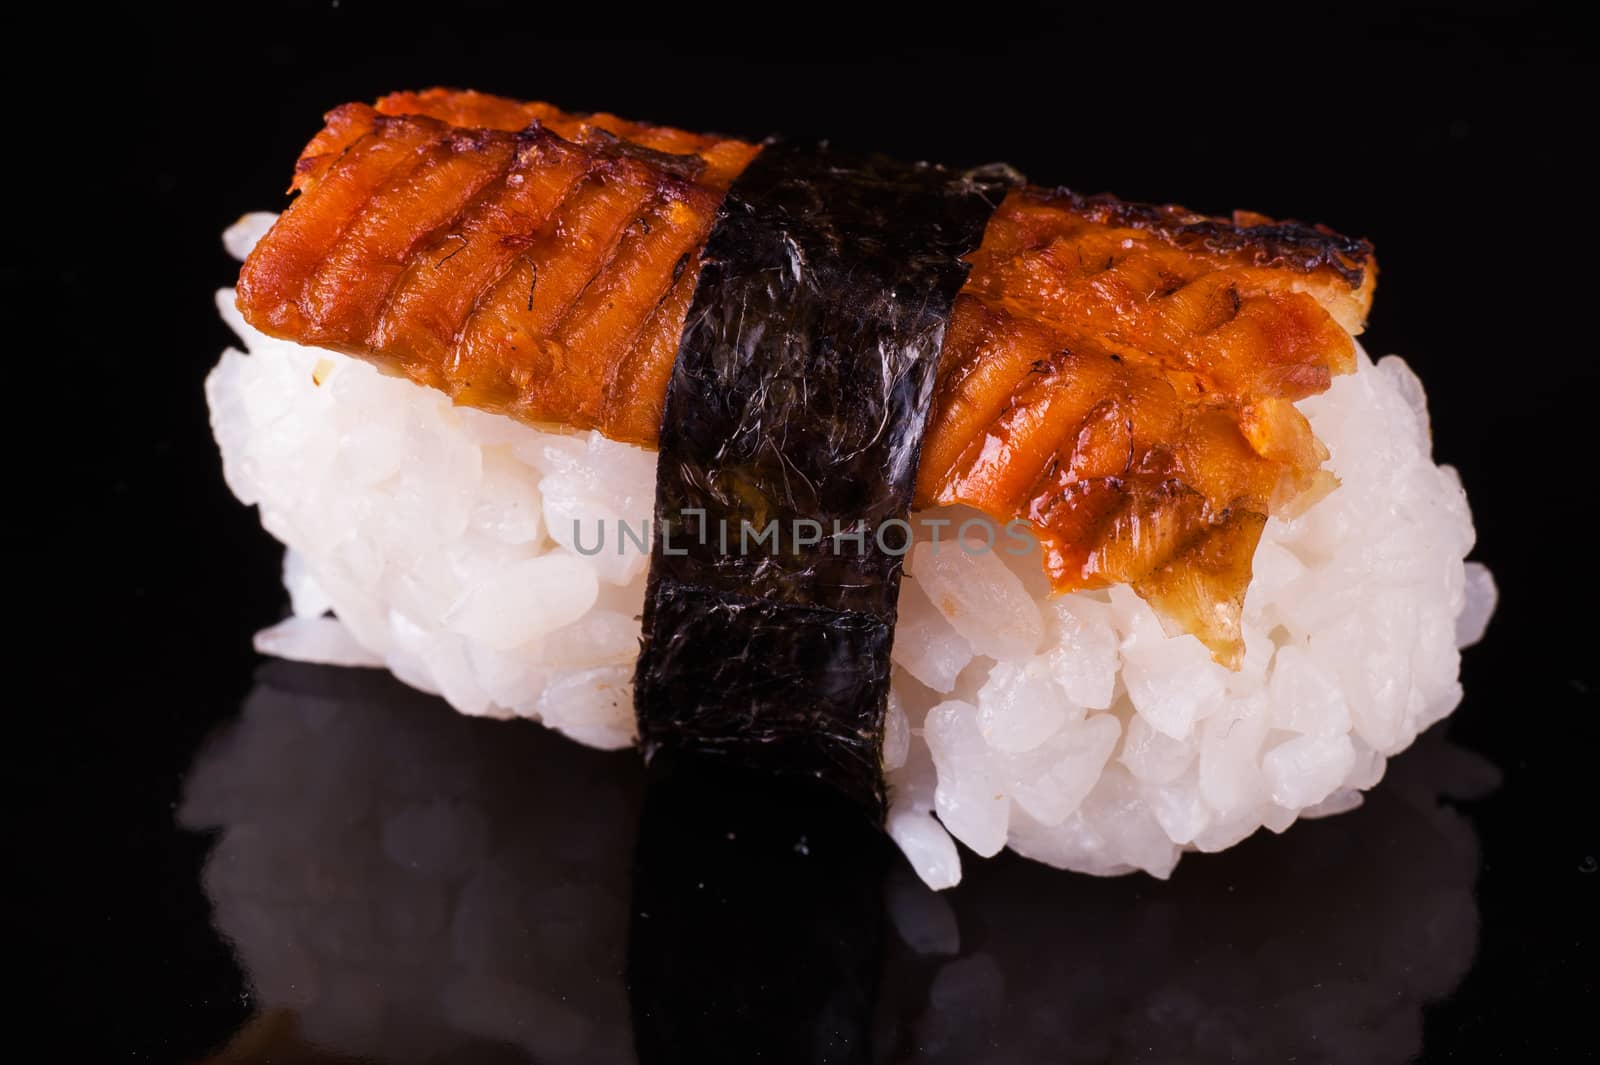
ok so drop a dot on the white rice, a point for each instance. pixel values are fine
(1071, 729)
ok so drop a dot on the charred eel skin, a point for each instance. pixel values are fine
(799, 397)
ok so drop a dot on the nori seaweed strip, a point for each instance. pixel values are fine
(800, 394)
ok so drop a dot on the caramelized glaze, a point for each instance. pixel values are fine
(1122, 376)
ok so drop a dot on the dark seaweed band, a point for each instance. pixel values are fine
(800, 392)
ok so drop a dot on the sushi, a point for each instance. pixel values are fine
(494, 348)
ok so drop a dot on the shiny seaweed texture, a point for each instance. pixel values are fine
(799, 397)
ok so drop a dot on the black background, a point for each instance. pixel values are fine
(1454, 140)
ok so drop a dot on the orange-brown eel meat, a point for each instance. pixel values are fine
(1122, 376)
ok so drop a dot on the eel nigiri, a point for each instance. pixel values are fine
(489, 341)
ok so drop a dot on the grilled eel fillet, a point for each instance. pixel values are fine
(1122, 376)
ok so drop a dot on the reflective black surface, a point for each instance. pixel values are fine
(402, 884)
(290, 930)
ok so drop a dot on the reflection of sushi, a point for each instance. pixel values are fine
(402, 890)
(395, 889)
(1173, 405)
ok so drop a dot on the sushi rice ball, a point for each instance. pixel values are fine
(456, 549)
